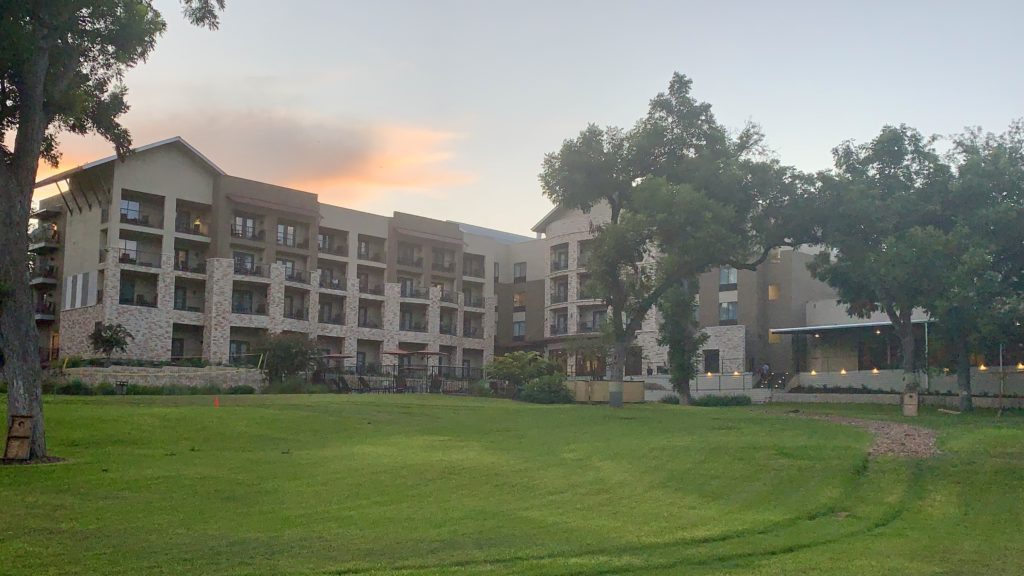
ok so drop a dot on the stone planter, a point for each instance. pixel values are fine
(910, 403)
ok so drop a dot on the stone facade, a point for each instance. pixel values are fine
(169, 375)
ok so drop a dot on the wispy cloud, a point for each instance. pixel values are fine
(345, 162)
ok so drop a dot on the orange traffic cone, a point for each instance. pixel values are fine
(216, 401)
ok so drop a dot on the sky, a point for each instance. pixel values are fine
(446, 108)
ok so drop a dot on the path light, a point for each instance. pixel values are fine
(1020, 365)
(843, 371)
(874, 370)
(982, 367)
(878, 330)
(816, 335)
(709, 373)
(814, 372)
(735, 372)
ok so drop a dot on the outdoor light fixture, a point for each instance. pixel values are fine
(982, 367)
(817, 335)
(709, 373)
(874, 370)
(814, 372)
(735, 372)
(1020, 365)
(843, 371)
(878, 330)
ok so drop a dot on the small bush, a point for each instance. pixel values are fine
(75, 388)
(104, 389)
(669, 399)
(713, 400)
(241, 389)
(481, 388)
(550, 389)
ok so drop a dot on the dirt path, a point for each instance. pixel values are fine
(890, 438)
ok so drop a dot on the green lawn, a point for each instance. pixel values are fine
(440, 485)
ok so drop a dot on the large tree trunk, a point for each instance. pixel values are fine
(19, 341)
(909, 365)
(683, 389)
(963, 372)
(618, 371)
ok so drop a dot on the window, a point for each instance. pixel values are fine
(244, 261)
(130, 210)
(712, 362)
(518, 330)
(129, 251)
(289, 266)
(519, 301)
(774, 338)
(773, 291)
(727, 278)
(238, 350)
(177, 348)
(241, 302)
(364, 250)
(180, 297)
(286, 234)
(519, 272)
(127, 291)
(727, 313)
(496, 269)
(243, 227)
(323, 242)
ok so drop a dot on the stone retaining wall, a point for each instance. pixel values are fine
(180, 375)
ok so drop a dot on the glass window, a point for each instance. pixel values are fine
(130, 209)
(712, 363)
(519, 272)
(773, 291)
(286, 234)
(727, 312)
(323, 242)
(519, 328)
(727, 276)
(289, 266)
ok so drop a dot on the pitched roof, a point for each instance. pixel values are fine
(547, 219)
(173, 140)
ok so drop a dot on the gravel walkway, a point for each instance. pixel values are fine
(891, 438)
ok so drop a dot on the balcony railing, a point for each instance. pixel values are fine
(298, 276)
(411, 261)
(45, 309)
(369, 323)
(519, 280)
(188, 226)
(338, 318)
(259, 309)
(137, 218)
(559, 264)
(447, 328)
(246, 232)
(559, 329)
(39, 269)
(184, 307)
(448, 296)
(139, 300)
(472, 271)
(473, 301)
(587, 327)
(448, 267)
(518, 337)
(413, 326)
(137, 258)
(194, 267)
(371, 255)
(469, 331)
(291, 241)
(44, 235)
(297, 313)
(560, 296)
(337, 250)
(413, 292)
(245, 269)
(376, 289)
(332, 282)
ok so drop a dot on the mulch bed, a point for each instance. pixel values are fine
(890, 438)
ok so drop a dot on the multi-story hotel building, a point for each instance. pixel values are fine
(200, 264)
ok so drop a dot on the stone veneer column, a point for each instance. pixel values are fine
(217, 325)
(314, 304)
(275, 299)
(165, 284)
(489, 328)
(390, 317)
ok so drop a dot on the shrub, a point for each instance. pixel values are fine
(481, 388)
(75, 388)
(713, 400)
(3, 387)
(104, 389)
(288, 355)
(549, 389)
(669, 399)
(241, 389)
(518, 368)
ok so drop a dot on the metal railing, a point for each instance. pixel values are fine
(246, 232)
(410, 261)
(447, 328)
(243, 269)
(336, 319)
(258, 310)
(45, 308)
(519, 280)
(448, 267)
(472, 331)
(560, 296)
(138, 218)
(137, 257)
(332, 282)
(188, 226)
(559, 329)
(369, 323)
(139, 300)
(41, 269)
(448, 296)
(184, 307)
(414, 292)
(371, 255)
(559, 264)
(298, 276)
(44, 236)
(472, 271)
(337, 250)
(185, 266)
(413, 326)
(297, 313)
(376, 289)
(473, 301)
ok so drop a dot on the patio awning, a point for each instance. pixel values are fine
(827, 327)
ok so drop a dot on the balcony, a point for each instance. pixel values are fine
(519, 280)
(291, 241)
(183, 306)
(559, 329)
(446, 267)
(413, 326)
(369, 323)
(139, 300)
(469, 331)
(336, 250)
(185, 225)
(410, 261)
(298, 276)
(297, 313)
(45, 311)
(559, 264)
(473, 272)
(587, 327)
(560, 296)
(447, 328)
(193, 267)
(337, 319)
(137, 258)
(138, 218)
(473, 300)
(371, 255)
(448, 296)
(258, 310)
(43, 240)
(246, 269)
(375, 289)
(414, 292)
(246, 232)
(41, 272)
(332, 282)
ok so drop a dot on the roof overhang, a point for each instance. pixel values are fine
(547, 219)
(835, 327)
